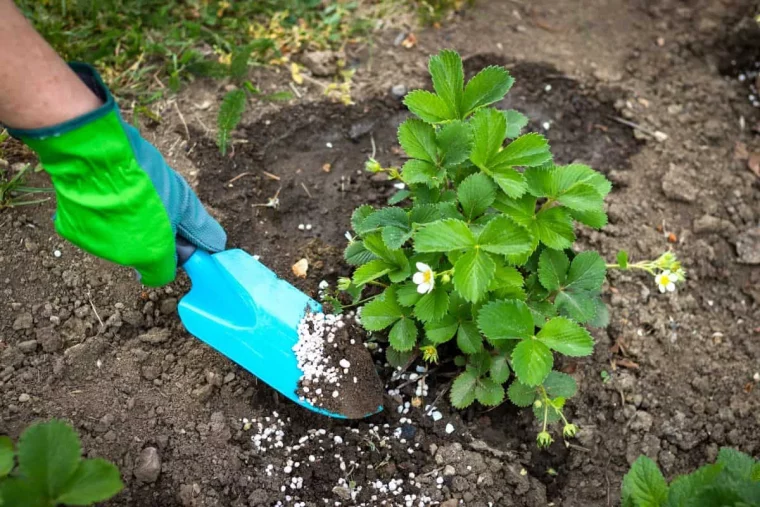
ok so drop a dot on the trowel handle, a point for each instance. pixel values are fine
(185, 250)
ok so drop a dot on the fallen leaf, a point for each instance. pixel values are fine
(327, 167)
(754, 163)
(295, 73)
(300, 268)
(410, 41)
(740, 151)
(625, 363)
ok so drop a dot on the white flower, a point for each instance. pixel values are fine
(666, 281)
(424, 278)
(349, 237)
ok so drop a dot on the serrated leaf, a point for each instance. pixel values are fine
(506, 276)
(476, 194)
(522, 210)
(433, 306)
(480, 363)
(532, 361)
(505, 320)
(48, 455)
(441, 331)
(622, 259)
(94, 481)
(454, 141)
(571, 174)
(555, 228)
(417, 138)
(521, 394)
(359, 215)
(375, 244)
(488, 392)
(510, 181)
(394, 237)
(407, 294)
(448, 80)
(582, 197)
(230, 114)
(403, 335)
(526, 151)
(463, 389)
(644, 485)
(560, 385)
(736, 463)
(428, 106)
(542, 181)
(579, 306)
(552, 269)
(396, 358)
(595, 219)
(356, 255)
(469, 340)
(499, 371)
(686, 488)
(399, 196)
(7, 455)
(444, 236)
(566, 337)
(541, 311)
(422, 172)
(516, 121)
(371, 271)
(505, 237)
(472, 274)
(587, 272)
(424, 214)
(449, 210)
(382, 311)
(488, 86)
(601, 315)
(489, 128)
(384, 217)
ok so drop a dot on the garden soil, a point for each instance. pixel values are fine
(673, 376)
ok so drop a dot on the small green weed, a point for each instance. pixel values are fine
(14, 192)
(46, 469)
(434, 11)
(733, 480)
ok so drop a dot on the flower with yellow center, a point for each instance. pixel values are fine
(424, 278)
(666, 281)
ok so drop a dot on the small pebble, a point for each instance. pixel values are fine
(437, 416)
(344, 363)
(329, 145)
(57, 253)
(301, 227)
(449, 428)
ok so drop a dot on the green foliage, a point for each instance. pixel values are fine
(46, 469)
(230, 113)
(491, 219)
(732, 481)
(13, 189)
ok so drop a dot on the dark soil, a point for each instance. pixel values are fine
(681, 366)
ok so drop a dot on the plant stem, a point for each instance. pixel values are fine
(548, 204)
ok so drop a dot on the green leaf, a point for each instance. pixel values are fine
(230, 114)
(622, 259)
(472, 274)
(555, 228)
(469, 340)
(356, 255)
(521, 210)
(454, 141)
(16, 491)
(359, 215)
(510, 181)
(505, 237)
(572, 174)
(516, 121)
(407, 294)
(587, 272)
(448, 80)
(441, 331)
(520, 394)
(396, 258)
(371, 271)
(480, 363)
(566, 337)
(443, 236)
(48, 455)
(7, 455)
(403, 335)
(417, 138)
(396, 358)
(686, 488)
(382, 311)
(463, 389)
(541, 311)
(506, 277)
(488, 86)
(601, 315)
(399, 196)
(644, 485)
(552, 269)
(421, 172)
(433, 306)
(385, 217)
(488, 392)
(594, 218)
(428, 106)
(239, 62)
(95, 480)
(499, 369)
(736, 463)
(526, 151)
(560, 385)
(489, 128)
(424, 214)
(532, 361)
(582, 197)
(580, 306)
(394, 237)
(476, 194)
(505, 320)
(755, 475)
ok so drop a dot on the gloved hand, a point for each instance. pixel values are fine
(117, 197)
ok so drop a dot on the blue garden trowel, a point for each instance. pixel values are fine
(242, 309)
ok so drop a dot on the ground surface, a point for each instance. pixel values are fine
(139, 387)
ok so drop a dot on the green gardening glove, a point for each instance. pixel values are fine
(117, 198)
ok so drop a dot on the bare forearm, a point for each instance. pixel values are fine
(37, 88)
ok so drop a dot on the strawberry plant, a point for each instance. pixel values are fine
(474, 256)
(734, 479)
(46, 469)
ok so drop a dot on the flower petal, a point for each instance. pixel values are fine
(671, 287)
(423, 288)
(418, 278)
(421, 266)
(662, 288)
